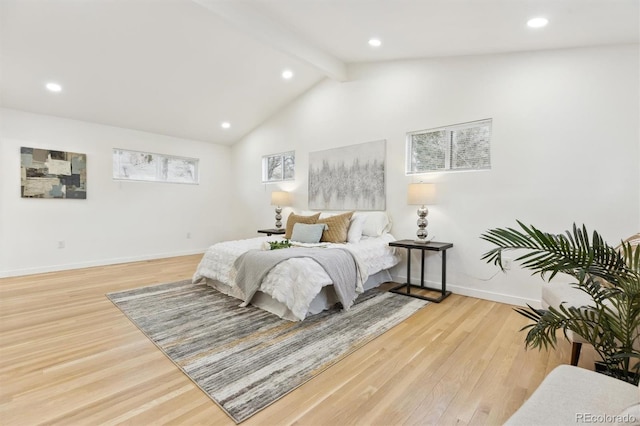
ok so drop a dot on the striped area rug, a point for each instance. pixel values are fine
(246, 358)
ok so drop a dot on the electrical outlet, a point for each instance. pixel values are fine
(61, 244)
(507, 262)
(188, 235)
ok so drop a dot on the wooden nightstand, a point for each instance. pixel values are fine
(430, 246)
(273, 231)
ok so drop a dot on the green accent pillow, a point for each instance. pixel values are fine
(307, 233)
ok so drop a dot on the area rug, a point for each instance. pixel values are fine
(247, 358)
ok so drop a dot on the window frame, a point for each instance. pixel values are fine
(448, 148)
(282, 155)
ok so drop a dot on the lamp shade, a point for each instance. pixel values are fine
(280, 198)
(421, 194)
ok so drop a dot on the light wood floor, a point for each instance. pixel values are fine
(69, 356)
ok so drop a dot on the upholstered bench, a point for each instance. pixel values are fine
(572, 395)
(554, 294)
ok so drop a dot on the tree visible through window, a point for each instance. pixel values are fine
(458, 147)
(278, 167)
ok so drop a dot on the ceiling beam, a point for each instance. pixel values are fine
(274, 33)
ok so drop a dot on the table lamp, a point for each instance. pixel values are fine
(421, 194)
(279, 199)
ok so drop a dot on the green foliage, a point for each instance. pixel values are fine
(275, 245)
(609, 275)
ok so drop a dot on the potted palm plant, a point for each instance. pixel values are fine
(609, 275)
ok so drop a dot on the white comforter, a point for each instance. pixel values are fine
(297, 281)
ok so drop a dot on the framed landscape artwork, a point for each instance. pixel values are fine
(348, 178)
(52, 174)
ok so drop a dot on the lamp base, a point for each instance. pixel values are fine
(422, 226)
(423, 241)
(278, 217)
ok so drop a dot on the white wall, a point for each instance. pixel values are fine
(565, 149)
(119, 221)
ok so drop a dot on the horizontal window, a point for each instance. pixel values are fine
(463, 146)
(150, 167)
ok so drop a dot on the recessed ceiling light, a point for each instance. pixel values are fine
(537, 22)
(225, 125)
(53, 87)
(287, 74)
(375, 42)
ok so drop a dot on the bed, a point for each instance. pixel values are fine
(299, 286)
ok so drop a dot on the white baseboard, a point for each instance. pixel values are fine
(479, 294)
(92, 263)
(465, 291)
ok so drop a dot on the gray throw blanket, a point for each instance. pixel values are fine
(339, 264)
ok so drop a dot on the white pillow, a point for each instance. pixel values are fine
(376, 223)
(356, 225)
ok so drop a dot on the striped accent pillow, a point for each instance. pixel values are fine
(338, 227)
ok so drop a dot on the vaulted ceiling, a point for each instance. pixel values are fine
(183, 67)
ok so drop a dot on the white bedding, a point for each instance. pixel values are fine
(294, 282)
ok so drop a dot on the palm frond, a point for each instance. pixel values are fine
(572, 253)
(609, 276)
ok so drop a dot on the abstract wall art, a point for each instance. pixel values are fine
(348, 178)
(150, 167)
(52, 174)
